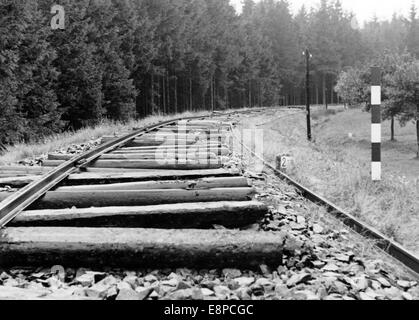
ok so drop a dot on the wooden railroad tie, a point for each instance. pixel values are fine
(154, 201)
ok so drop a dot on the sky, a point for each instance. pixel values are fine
(364, 9)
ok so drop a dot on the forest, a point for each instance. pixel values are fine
(124, 59)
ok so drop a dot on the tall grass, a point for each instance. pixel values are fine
(336, 170)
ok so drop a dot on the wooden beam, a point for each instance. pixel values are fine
(147, 164)
(12, 174)
(172, 150)
(118, 170)
(207, 123)
(171, 143)
(181, 135)
(179, 215)
(187, 129)
(124, 176)
(204, 183)
(24, 169)
(194, 147)
(131, 156)
(136, 247)
(17, 182)
(143, 142)
(105, 175)
(143, 138)
(86, 199)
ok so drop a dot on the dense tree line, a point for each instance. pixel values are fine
(123, 59)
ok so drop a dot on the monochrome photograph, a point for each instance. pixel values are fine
(222, 151)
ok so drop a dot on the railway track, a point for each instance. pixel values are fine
(168, 195)
(140, 200)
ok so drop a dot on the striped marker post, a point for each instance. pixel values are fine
(376, 123)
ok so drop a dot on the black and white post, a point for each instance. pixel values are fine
(376, 123)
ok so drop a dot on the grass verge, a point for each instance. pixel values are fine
(337, 165)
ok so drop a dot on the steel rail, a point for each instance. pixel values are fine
(19, 201)
(384, 243)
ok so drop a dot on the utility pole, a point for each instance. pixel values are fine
(308, 55)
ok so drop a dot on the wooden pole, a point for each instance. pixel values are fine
(308, 117)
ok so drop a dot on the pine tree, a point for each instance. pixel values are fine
(38, 98)
(12, 122)
(79, 87)
(412, 38)
(325, 45)
(117, 88)
(28, 100)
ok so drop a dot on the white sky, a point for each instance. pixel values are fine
(364, 9)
